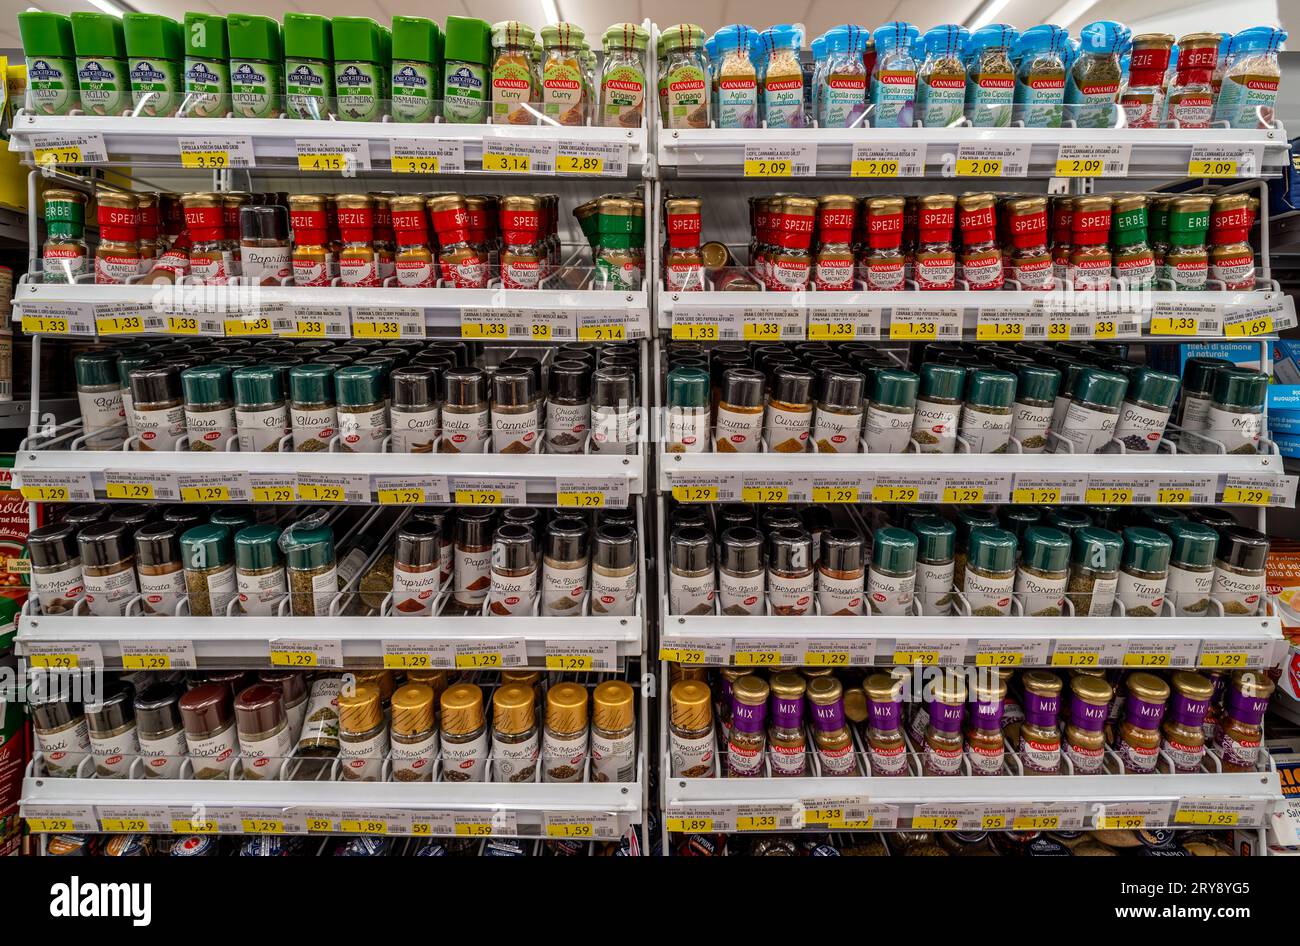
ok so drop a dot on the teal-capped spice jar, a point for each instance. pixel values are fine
(938, 408)
(891, 411)
(1235, 418)
(362, 409)
(155, 51)
(935, 551)
(1031, 422)
(1094, 571)
(988, 581)
(99, 395)
(256, 66)
(209, 407)
(1191, 567)
(311, 568)
(359, 68)
(102, 75)
(1144, 572)
(308, 66)
(417, 69)
(207, 70)
(1043, 572)
(51, 62)
(1089, 423)
(206, 556)
(1019, 519)
(259, 570)
(313, 414)
(688, 410)
(1145, 412)
(986, 416)
(261, 408)
(891, 577)
(467, 49)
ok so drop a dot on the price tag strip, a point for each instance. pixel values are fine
(1247, 490)
(140, 487)
(1130, 815)
(1007, 324)
(1234, 160)
(887, 160)
(592, 159)
(44, 819)
(907, 488)
(1171, 652)
(1049, 816)
(1220, 812)
(841, 488)
(387, 322)
(426, 156)
(121, 318)
(929, 652)
(1012, 652)
(133, 819)
(975, 488)
(1230, 654)
(1186, 319)
(158, 655)
(498, 823)
(582, 655)
(273, 487)
(214, 487)
(271, 821)
(765, 652)
(774, 488)
(340, 156)
(1048, 489)
(581, 825)
(49, 487)
(844, 323)
(303, 653)
(487, 491)
(985, 159)
(313, 321)
(712, 652)
(509, 156)
(773, 324)
(407, 655)
(72, 318)
(1252, 320)
(409, 490)
(705, 487)
(334, 487)
(68, 149)
(591, 492)
(925, 323)
(1093, 160)
(595, 325)
(1143, 490)
(836, 652)
(1184, 490)
(786, 160)
(846, 813)
(488, 654)
(499, 323)
(934, 817)
(217, 154)
(1088, 653)
(252, 324)
(705, 324)
(63, 655)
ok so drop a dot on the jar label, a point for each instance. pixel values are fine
(212, 756)
(260, 431)
(1186, 759)
(414, 431)
(521, 274)
(988, 596)
(57, 591)
(837, 432)
(1090, 273)
(464, 432)
(562, 90)
(414, 761)
(472, 575)
(934, 586)
(885, 275)
(1141, 597)
(158, 430)
(737, 431)
(62, 263)
(362, 760)
(985, 761)
(160, 594)
(1236, 272)
(1030, 424)
(1187, 275)
(833, 275)
(115, 270)
(263, 758)
(1189, 591)
(313, 428)
(844, 595)
(164, 755)
(1040, 756)
(1086, 760)
(982, 270)
(108, 594)
(935, 426)
(622, 91)
(1086, 429)
(415, 592)
(465, 761)
(103, 418)
(615, 429)
(1140, 429)
(308, 271)
(1040, 597)
(471, 273)
(265, 265)
(744, 761)
(690, 594)
(790, 596)
(1103, 597)
(788, 275)
(888, 431)
(788, 761)
(515, 431)
(684, 277)
(1033, 273)
(613, 594)
(563, 760)
(511, 594)
(1238, 594)
(841, 760)
(211, 267)
(616, 274)
(114, 754)
(691, 758)
(740, 594)
(515, 761)
(1248, 93)
(935, 273)
(940, 99)
(918, 724)
(1137, 758)
(1191, 109)
(210, 430)
(687, 429)
(1243, 753)
(259, 594)
(888, 761)
(1238, 432)
(889, 594)
(63, 751)
(566, 427)
(358, 271)
(563, 589)
(986, 432)
(787, 430)
(362, 431)
(512, 88)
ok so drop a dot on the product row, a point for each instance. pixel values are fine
(975, 241)
(344, 68)
(1108, 843)
(165, 560)
(895, 77)
(366, 726)
(357, 397)
(1025, 560)
(290, 845)
(978, 399)
(355, 240)
(789, 723)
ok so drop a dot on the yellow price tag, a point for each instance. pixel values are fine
(42, 825)
(206, 160)
(333, 161)
(507, 163)
(262, 826)
(779, 168)
(1173, 497)
(913, 331)
(363, 826)
(119, 325)
(483, 330)
(1058, 331)
(1108, 497)
(1174, 325)
(321, 493)
(68, 155)
(1211, 168)
(833, 818)
(273, 494)
(146, 662)
(1222, 660)
(540, 333)
(602, 333)
(1260, 326)
(319, 824)
(414, 496)
(757, 823)
(927, 658)
(975, 167)
(182, 325)
(963, 494)
(873, 168)
(1076, 659)
(1079, 167)
(695, 494)
(835, 494)
(826, 658)
(765, 494)
(756, 658)
(1121, 822)
(377, 329)
(994, 822)
(681, 655)
(1000, 658)
(1036, 497)
(123, 825)
(54, 661)
(683, 331)
(478, 497)
(138, 491)
(45, 494)
(1000, 331)
(1247, 497)
(38, 325)
(476, 829)
(1038, 823)
(1147, 660)
(580, 500)
(479, 661)
(579, 164)
(569, 662)
(408, 164)
(240, 327)
(185, 826)
(308, 328)
(690, 825)
(830, 331)
(935, 823)
(205, 494)
(1218, 819)
(585, 830)
(762, 331)
(895, 494)
(1105, 328)
(407, 661)
(294, 658)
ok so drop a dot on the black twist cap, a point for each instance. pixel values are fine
(567, 539)
(690, 549)
(570, 380)
(264, 222)
(104, 543)
(158, 543)
(614, 547)
(742, 549)
(417, 543)
(414, 388)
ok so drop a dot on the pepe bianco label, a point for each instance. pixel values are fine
(613, 594)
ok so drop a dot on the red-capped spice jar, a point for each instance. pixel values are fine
(1143, 97)
(1062, 214)
(385, 239)
(210, 259)
(760, 235)
(1190, 101)
(790, 262)
(1029, 262)
(117, 258)
(524, 254)
(1090, 261)
(462, 263)
(481, 229)
(883, 261)
(683, 263)
(935, 262)
(358, 261)
(836, 219)
(231, 203)
(147, 243)
(413, 262)
(981, 258)
(1232, 258)
(313, 260)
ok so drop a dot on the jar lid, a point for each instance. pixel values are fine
(114, 710)
(512, 708)
(1244, 548)
(312, 383)
(258, 384)
(358, 386)
(1067, 520)
(85, 513)
(104, 543)
(613, 706)
(973, 517)
(1240, 387)
(1213, 516)
(792, 385)
(1045, 549)
(1194, 543)
(233, 518)
(461, 705)
(415, 39)
(46, 34)
(691, 705)
(206, 546)
(1018, 519)
(988, 387)
(894, 388)
(936, 539)
(1096, 548)
(613, 387)
(688, 387)
(513, 387)
(264, 221)
(1094, 386)
(259, 708)
(356, 39)
(562, 34)
(207, 708)
(1161, 517)
(360, 709)
(570, 380)
(464, 387)
(474, 527)
(893, 549)
(206, 384)
(566, 707)
(157, 543)
(843, 550)
(52, 711)
(1199, 374)
(96, 367)
(1037, 383)
(1153, 387)
(615, 546)
(691, 549)
(742, 549)
(942, 381)
(567, 538)
(514, 547)
(308, 548)
(205, 36)
(154, 384)
(53, 546)
(1146, 549)
(417, 544)
(257, 547)
(991, 549)
(98, 36)
(789, 549)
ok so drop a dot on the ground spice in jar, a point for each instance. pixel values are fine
(117, 257)
(414, 733)
(1240, 730)
(259, 570)
(157, 416)
(692, 746)
(831, 735)
(207, 712)
(414, 412)
(790, 571)
(1040, 740)
(313, 413)
(99, 395)
(1096, 75)
(107, 567)
(416, 569)
(464, 734)
(211, 260)
(935, 262)
(261, 409)
(938, 407)
(56, 567)
(739, 423)
(513, 587)
(789, 411)
(1094, 571)
(311, 568)
(691, 587)
(981, 257)
(1138, 740)
(358, 261)
(112, 729)
(990, 573)
(313, 260)
(264, 251)
(891, 411)
(1186, 263)
(1085, 730)
(206, 553)
(883, 261)
(159, 730)
(1239, 571)
(837, 425)
(614, 570)
(159, 567)
(562, 80)
(984, 739)
(936, 538)
(1043, 572)
(1232, 258)
(1190, 99)
(472, 557)
(209, 407)
(565, 560)
(986, 416)
(64, 253)
(1144, 571)
(1182, 732)
(363, 735)
(1090, 259)
(263, 726)
(1191, 567)
(841, 570)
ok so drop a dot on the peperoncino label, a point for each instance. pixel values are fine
(692, 758)
(840, 595)
(790, 596)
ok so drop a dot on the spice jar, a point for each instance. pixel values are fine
(465, 426)
(891, 411)
(739, 423)
(691, 744)
(313, 261)
(107, 567)
(984, 739)
(786, 744)
(56, 567)
(935, 565)
(840, 572)
(1232, 259)
(209, 407)
(211, 260)
(613, 733)
(1247, 87)
(564, 742)
(1093, 412)
(790, 571)
(934, 260)
(358, 260)
(157, 416)
(1094, 571)
(1186, 262)
(938, 406)
(1183, 732)
(472, 557)
(891, 579)
(981, 259)
(313, 413)
(1043, 572)
(515, 410)
(615, 411)
(1191, 567)
(1144, 571)
(62, 735)
(564, 566)
(683, 262)
(265, 258)
(414, 734)
(1096, 76)
(1240, 730)
(747, 736)
(1040, 740)
(1138, 740)
(1090, 260)
(886, 747)
(63, 255)
(208, 716)
(1143, 96)
(363, 735)
(99, 395)
(416, 569)
(986, 416)
(1239, 570)
(117, 257)
(293, 688)
(1030, 261)
(942, 753)
(1031, 421)
(883, 262)
(514, 79)
(831, 735)
(210, 578)
(1133, 263)
(263, 727)
(414, 409)
(990, 574)
(464, 734)
(837, 426)
(513, 587)
(514, 734)
(261, 411)
(740, 572)
(112, 729)
(1145, 411)
(691, 588)
(311, 569)
(159, 568)
(362, 409)
(614, 570)
(941, 80)
(1190, 99)
(463, 264)
(259, 570)
(622, 76)
(1085, 730)
(1235, 418)
(789, 411)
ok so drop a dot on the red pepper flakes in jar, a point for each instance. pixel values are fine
(1062, 214)
(1143, 97)
(836, 221)
(1190, 101)
(1029, 261)
(981, 258)
(883, 260)
(1090, 261)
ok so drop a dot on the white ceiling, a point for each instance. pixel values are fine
(816, 15)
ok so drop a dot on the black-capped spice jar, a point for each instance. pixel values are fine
(417, 568)
(1239, 571)
(157, 413)
(107, 567)
(159, 568)
(56, 567)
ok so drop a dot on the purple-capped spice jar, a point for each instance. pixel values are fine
(984, 727)
(748, 737)
(886, 747)
(1211, 724)
(834, 741)
(1144, 709)
(1241, 729)
(726, 681)
(786, 746)
(1182, 733)
(1085, 733)
(1040, 740)
(943, 737)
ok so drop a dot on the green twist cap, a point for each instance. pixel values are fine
(991, 550)
(359, 385)
(1037, 383)
(970, 518)
(987, 387)
(936, 539)
(512, 33)
(128, 363)
(683, 35)
(308, 548)
(1068, 520)
(1160, 517)
(1098, 549)
(206, 546)
(258, 384)
(415, 39)
(1194, 544)
(205, 36)
(254, 37)
(1094, 386)
(1046, 549)
(233, 518)
(356, 39)
(312, 384)
(257, 547)
(1018, 519)
(206, 384)
(307, 36)
(1153, 387)
(688, 387)
(98, 34)
(95, 368)
(1240, 387)
(625, 36)
(562, 34)
(46, 34)
(1199, 373)
(1146, 549)
(150, 36)
(894, 550)
(467, 40)
(894, 388)
(942, 381)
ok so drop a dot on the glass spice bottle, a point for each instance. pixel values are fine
(1095, 77)
(358, 260)
(56, 579)
(523, 254)
(159, 567)
(413, 262)
(893, 75)
(831, 736)
(564, 742)
(984, 741)
(622, 77)
(157, 414)
(1093, 412)
(514, 734)
(513, 587)
(312, 260)
(686, 419)
(114, 741)
(790, 571)
(513, 77)
(891, 411)
(313, 414)
(884, 258)
(261, 409)
(615, 411)
(209, 407)
(1138, 739)
(683, 262)
(363, 735)
(840, 572)
(613, 732)
(211, 261)
(414, 733)
(1234, 418)
(311, 568)
(614, 570)
(837, 423)
(1133, 263)
(1061, 216)
(941, 80)
(417, 569)
(739, 423)
(1182, 732)
(691, 741)
(1246, 81)
(1040, 76)
(741, 574)
(1240, 731)
(938, 407)
(462, 262)
(1030, 261)
(472, 556)
(385, 238)
(1186, 263)
(981, 258)
(1232, 259)
(1043, 572)
(414, 412)
(1144, 571)
(986, 416)
(1090, 259)
(991, 76)
(159, 730)
(747, 737)
(362, 409)
(1143, 96)
(990, 574)
(1094, 571)
(465, 426)
(107, 568)
(99, 395)
(786, 744)
(1191, 567)
(789, 411)
(1085, 730)
(1145, 412)
(942, 753)
(264, 251)
(64, 253)
(207, 712)
(564, 566)
(259, 570)
(936, 538)
(891, 579)
(210, 578)
(935, 262)
(789, 266)
(263, 727)
(1040, 740)
(562, 82)
(1190, 99)
(833, 269)
(1031, 422)
(117, 257)
(1239, 571)
(691, 587)
(886, 747)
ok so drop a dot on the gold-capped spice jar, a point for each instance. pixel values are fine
(564, 745)
(514, 733)
(464, 734)
(312, 259)
(414, 264)
(1085, 729)
(613, 732)
(692, 746)
(1240, 726)
(211, 258)
(414, 733)
(942, 754)
(1133, 263)
(363, 736)
(984, 741)
(1183, 729)
(831, 734)
(981, 257)
(524, 254)
(787, 744)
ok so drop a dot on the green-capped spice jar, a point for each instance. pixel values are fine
(64, 255)
(103, 420)
(308, 66)
(1068, 520)
(1187, 262)
(1160, 517)
(891, 411)
(155, 50)
(1191, 567)
(620, 257)
(467, 49)
(891, 577)
(358, 68)
(233, 518)
(362, 409)
(313, 416)
(417, 69)
(989, 579)
(1198, 392)
(1044, 571)
(207, 70)
(968, 518)
(935, 550)
(1018, 519)
(688, 410)
(514, 74)
(311, 569)
(209, 570)
(986, 416)
(209, 407)
(622, 76)
(261, 408)
(1235, 418)
(1239, 571)
(1145, 411)
(51, 62)
(1144, 571)
(102, 74)
(683, 77)
(938, 408)
(256, 66)
(1094, 571)
(564, 96)
(1133, 264)
(259, 570)
(1036, 389)
(1090, 420)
